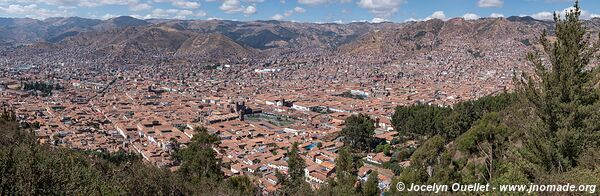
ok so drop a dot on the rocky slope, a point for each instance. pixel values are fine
(217, 40)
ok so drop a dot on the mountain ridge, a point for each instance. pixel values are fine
(52, 28)
(128, 37)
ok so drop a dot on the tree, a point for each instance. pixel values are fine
(294, 183)
(372, 185)
(45, 88)
(420, 120)
(199, 161)
(346, 171)
(413, 174)
(8, 117)
(427, 120)
(140, 179)
(31, 168)
(385, 148)
(465, 114)
(296, 165)
(427, 154)
(564, 96)
(346, 164)
(358, 132)
(489, 140)
(240, 185)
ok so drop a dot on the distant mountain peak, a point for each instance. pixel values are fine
(123, 21)
(521, 18)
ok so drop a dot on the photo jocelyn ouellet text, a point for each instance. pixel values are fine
(479, 187)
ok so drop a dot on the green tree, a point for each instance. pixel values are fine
(427, 154)
(347, 164)
(30, 168)
(240, 185)
(379, 148)
(372, 186)
(294, 183)
(199, 162)
(383, 147)
(488, 139)
(466, 113)
(420, 120)
(387, 148)
(140, 179)
(413, 174)
(563, 96)
(296, 165)
(358, 132)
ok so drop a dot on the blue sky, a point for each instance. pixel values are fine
(293, 10)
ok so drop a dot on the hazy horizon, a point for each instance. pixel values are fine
(305, 11)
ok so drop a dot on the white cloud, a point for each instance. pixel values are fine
(584, 13)
(320, 2)
(277, 17)
(470, 16)
(378, 20)
(33, 11)
(314, 2)
(543, 15)
(157, 13)
(490, 3)
(108, 16)
(546, 15)
(412, 20)
(250, 10)
(381, 8)
(231, 6)
(62, 7)
(496, 15)
(73, 3)
(299, 10)
(184, 12)
(437, 15)
(133, 5)
(200, 13)
(186, 4)
(92, 3)
(137, 16)
(140, 7)
(235, 6)
(174, 14)
(288, 13)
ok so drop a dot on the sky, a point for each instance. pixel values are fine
(318, 11)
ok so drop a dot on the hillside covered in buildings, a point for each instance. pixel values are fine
(120, 107)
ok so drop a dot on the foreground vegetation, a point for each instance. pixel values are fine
(547, 132)
(29, 168)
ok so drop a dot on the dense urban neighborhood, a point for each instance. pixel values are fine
(352, 104)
